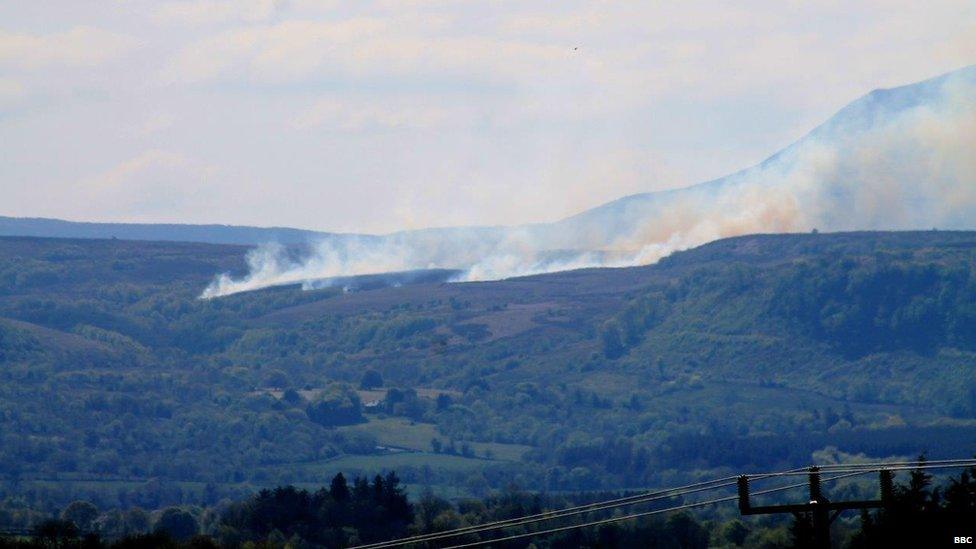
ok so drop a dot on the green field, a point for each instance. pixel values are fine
(402, 433)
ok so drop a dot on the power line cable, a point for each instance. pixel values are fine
(848, 470)
(639, 515)
(968, 463)
(560, 513)
(893, 463)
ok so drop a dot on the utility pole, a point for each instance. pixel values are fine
(818, 508)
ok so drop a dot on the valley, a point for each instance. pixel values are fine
(750, 353)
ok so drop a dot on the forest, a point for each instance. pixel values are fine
(121, 387)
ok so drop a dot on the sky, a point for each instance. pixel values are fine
(378, 116)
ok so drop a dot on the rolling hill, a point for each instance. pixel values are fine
(746, 353)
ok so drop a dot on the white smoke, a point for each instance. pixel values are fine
(896, 159)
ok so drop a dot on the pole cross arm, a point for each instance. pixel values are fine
(813, 505)
(817, 507)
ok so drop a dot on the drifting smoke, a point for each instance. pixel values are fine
(896, 159)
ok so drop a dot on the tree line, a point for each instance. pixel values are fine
(921, 513)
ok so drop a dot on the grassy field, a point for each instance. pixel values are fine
(397, 432)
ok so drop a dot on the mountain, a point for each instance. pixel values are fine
(895, 159)
(826, 167)
(746, 354)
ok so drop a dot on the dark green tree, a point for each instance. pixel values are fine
(371, 380)
(177, 523)
(82, 514)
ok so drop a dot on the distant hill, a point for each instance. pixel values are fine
(746, 354)
(895, 159)
(215, 234)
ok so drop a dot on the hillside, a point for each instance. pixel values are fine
(886, 161)
(744, 354)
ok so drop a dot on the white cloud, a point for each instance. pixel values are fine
(292, 48)
(375, 114)
(157, 122)
(627, 56)
(365, 113)
(11, 90)
(155, 182)
(79, 46)
(299, 50)
(122, 174)
(201, 12)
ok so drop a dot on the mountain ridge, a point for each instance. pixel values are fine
(871, 107)
(894, 159)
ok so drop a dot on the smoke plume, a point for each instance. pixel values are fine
(903, 158)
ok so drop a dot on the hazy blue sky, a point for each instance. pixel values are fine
(381, 115)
